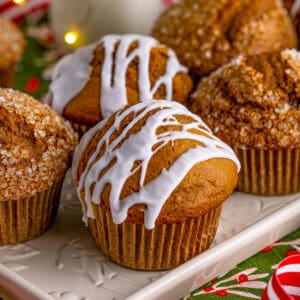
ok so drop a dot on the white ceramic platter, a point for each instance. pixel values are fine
(65, 264)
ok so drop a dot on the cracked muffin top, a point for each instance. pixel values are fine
(253, 101)
(207, 34)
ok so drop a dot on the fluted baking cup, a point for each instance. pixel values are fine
(25, 219)
(164, 247)
(269, 172)
(81, 129)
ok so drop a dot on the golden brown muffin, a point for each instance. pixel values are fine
(207, 34)
(102, 78)
(253, 105)
(11, 50)
(293, 6)
(153, 176)
(35, 151)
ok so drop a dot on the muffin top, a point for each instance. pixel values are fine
(207, 34)
(11, 43)
(154, 163)
(35, 146)
(254, 101)
(102, 78)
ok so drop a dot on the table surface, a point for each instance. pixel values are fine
(247, 280)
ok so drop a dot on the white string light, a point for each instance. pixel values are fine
(19, 2)
(71, 37)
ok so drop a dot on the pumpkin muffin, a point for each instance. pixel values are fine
(102, 78)
(253, 105)
(35, 151)
(152, 179)
(11, 50)
(208, 34)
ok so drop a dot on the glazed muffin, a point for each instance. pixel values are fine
(35, 151)
(11, 50)
(152, 179)
(102, 78)
(208, 34)
(253, 105)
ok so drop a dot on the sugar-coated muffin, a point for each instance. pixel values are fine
(253, 105)
(152, 179)
(36, 146)
(207, 34)
(11, 50)
(118, 70)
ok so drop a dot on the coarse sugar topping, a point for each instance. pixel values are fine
(35, 146)
(254, 103)
(207, 34)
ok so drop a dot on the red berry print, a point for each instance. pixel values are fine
(208, 289)
(292, 252)
(243, 278)
(214, 279)
(221, 293)
(267, 249)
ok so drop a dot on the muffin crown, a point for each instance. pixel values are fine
(141, 155)
(254, 101)
(123, 65)
(207, 34)
(11, 43)
(35, 146)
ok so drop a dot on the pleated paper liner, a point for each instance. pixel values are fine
(25, 219)
(81, 129)
(7, 76)
(269, 172)
(164, 247)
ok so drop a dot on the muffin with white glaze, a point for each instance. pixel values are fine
(118, 70)
(152, 179)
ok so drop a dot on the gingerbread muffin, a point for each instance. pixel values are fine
(152, 179)
(35, 151)
(207, 34)
(293, 6)
(11, 50)
(102, 78)
(253, 105)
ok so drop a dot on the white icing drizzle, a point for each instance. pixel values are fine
(70, 76)
(73, 72)
(139, 147)
(295, 8)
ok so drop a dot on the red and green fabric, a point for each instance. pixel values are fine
(250, 278)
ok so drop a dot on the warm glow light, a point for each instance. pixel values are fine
(71, 37)
(19, 2)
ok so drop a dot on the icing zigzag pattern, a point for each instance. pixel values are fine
(140, 147)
